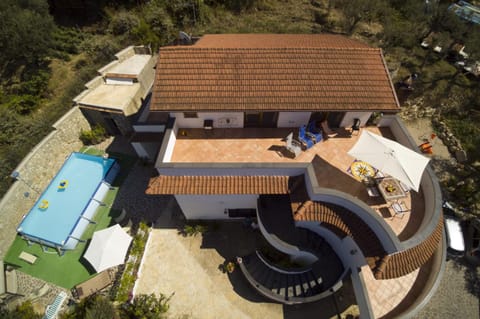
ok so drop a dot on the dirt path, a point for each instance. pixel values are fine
(422, 128)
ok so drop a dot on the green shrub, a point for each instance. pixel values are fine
(194, 230)
(23, 311)
(123, 23)
(100, 49)
(24, 104)
(147, 307)
(93, 136)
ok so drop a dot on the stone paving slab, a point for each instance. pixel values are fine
(170, 267)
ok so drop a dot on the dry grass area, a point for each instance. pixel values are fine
(289, 16)
(62, 71)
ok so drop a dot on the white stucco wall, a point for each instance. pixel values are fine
(220, 120)
(293, 119)
(349, 116)
(213, 206)
(119, 81)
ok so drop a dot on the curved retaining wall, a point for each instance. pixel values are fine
(36, 170)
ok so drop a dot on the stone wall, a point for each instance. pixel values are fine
(36, 170)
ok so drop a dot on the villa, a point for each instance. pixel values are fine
(228, 104)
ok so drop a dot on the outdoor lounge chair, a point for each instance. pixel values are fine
(314, 133)
(373, 191)
(293, 146)
(27, 257)
(326, 129)
(93, 285)
(304, 137)
(54, 308)
(356, 126)
(399, 208)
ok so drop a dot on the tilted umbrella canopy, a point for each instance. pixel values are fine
(391, 158)
(108, 248)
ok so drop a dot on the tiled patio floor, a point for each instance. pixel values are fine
(329, 157)
(385, 295)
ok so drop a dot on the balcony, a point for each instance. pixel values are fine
(267, 146)
(188, 151)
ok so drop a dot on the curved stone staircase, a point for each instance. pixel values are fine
(296, 285)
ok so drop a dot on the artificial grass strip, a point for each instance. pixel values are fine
(71, 268)
(65, 271)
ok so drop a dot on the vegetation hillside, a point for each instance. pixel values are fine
(48, 50)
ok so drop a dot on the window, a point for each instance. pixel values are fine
(190, 115)
(242, 212)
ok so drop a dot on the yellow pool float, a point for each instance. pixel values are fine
(43, 204)
(63, 184)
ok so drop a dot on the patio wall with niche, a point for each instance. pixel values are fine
(35, 172)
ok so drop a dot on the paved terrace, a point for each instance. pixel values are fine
(331, 163)
(330, 160)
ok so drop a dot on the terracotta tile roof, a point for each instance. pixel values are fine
(404, 262)
(217, 185)
(277, 41)
(303, 73)
(344, 223)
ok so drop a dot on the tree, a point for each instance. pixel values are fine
(356, 11)
(26, 32)
(23, 311)
(101, 308)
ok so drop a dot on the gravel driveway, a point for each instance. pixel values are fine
(457, 295)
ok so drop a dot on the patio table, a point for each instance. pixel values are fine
(391, 189)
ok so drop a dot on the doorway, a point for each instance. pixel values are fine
(260, 119)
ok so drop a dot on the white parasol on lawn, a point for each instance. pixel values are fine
(108, 248)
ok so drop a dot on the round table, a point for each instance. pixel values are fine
(362, 170)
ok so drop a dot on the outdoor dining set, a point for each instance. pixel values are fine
(387, 169)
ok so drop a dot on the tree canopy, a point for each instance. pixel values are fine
(26, 32)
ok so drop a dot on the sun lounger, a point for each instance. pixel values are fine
(305, 138)
(292, 145)
(27, 257)
(54, 308)
(314, 133)
(326, 129)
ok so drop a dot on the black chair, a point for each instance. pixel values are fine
(356, 126)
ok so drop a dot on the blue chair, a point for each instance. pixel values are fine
(304, 138)
(314, 132)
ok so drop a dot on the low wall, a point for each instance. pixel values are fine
(36, 170)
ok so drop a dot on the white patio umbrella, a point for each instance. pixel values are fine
(108, 248)
(391, 158)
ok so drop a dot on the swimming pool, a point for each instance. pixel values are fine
(65, 209)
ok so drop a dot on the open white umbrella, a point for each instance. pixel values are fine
(391, 158)
(108, 248)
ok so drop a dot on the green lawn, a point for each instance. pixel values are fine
(65, 271)
(70, 269)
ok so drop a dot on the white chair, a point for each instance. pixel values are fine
(404, 187)
(292, 145)
(373, 192)
(400, 208)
